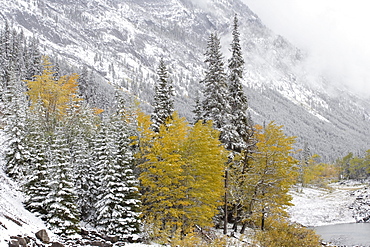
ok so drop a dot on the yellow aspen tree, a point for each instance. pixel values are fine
(181, 175)
(54, 95)
(272, 174)
(162, 177)
(307, 170)
(205, 160)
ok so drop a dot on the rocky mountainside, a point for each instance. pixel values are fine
(122, 41)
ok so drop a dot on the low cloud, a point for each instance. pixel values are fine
(333, 32)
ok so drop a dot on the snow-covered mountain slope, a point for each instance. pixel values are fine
(123, 40)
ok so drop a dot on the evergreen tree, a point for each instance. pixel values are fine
(118, 204)
(240, 119)
(197, 110)
(101, 158)
(63, 216)
(33, 59)
(215, 104)
(37, 187)
(15, 111)
(6, 59)
(163, 101)
(81, 130)
(242, 141)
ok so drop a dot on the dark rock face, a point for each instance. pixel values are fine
(43, 236)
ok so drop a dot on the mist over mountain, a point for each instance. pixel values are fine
(122, 42)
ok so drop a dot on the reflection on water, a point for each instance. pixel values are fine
(353, 234)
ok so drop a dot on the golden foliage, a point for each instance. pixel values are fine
(192, 239)
(319, 174)
(181, 174)
(280, 233)
(272, 173)
(55, 95)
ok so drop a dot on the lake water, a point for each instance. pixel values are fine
(353, 234)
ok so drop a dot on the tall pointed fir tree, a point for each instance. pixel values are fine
(81, 126)
(163, 98)
(63, 216)
(101, 156)
(215, 104)
(5, 47)
(33, 59)
(242, 142)
(38, 176)
(118, 202)
(15, 112)
(240, 119)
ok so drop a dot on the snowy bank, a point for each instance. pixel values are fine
(317, 207)
(14, 218)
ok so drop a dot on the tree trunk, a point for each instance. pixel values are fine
(263, 220)
(226, 213)
(244, 226)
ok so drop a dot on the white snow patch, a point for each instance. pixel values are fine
(316, 207)
(14, 218)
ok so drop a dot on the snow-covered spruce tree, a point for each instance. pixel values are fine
(118, 202)
(163, 101)
(15, 113)
(215, 104)
(32, 59)
(197, 110)
(102, 157)
(242, 142)
(63, 216)
(240, 119)
(5, 55)
(36, 185)
(81, 132)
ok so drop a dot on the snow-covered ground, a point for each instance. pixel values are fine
(317, 207)
(14, 218)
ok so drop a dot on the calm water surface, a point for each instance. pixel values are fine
(353, 234)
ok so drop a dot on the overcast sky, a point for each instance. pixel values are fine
(336, 33)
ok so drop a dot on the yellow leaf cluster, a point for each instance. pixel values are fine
(55, 95)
